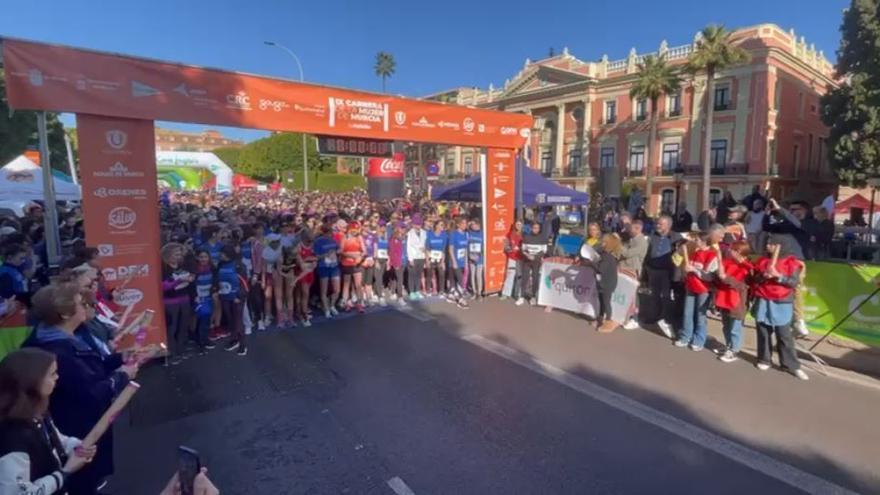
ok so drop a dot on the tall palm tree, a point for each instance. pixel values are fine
(656, 78)
(384, 66)
(714, 51)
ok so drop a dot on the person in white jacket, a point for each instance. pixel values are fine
(416, 239)
(35, 458)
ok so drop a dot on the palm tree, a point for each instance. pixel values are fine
(656, 78)
(384, 66)
(714, 51)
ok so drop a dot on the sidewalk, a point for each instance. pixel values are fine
(845, 358)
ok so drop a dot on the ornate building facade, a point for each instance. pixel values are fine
(208, 140)
(590, 135)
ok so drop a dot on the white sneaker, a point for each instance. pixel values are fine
(666, 328)
(763, 366)
(631, 324)
(327, 314)
(728, 356)
(801, 328)
(392, 297)
(261, 325)
(383, 302)
(801, 374)
(696, 348)
(401, 302)
(680, 343)
(520, 301)
(248, 330)
(334, 311)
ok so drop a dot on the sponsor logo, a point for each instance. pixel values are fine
(499, 226)
(448, 125)
(239, 101)
(116, 139)
(564, 285)
(117, 170)
(498, 239)
(317, 110)
(360, 114)
(122, 272)
(468, 124)
(141, 90)
(525, 132)
(541, 198)
(110, 192)
(35, 77)
(423, 122)
(105, 249)
(481, 127)
(500, 193)
(127, 297)
(20, 176)
(121, 217)
(508, 131)
(277, 105)
(400, 117)
(391, 166)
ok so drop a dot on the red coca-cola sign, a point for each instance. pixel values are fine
(389, 168)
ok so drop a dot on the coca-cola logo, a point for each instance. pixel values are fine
(390, 167)
(121, 217)
(387, 167)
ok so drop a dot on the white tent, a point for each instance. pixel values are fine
(21, 179)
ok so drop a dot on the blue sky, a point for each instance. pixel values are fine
(437, 45)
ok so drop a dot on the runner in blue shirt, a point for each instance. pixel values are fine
(436, 242)
(458, 246)
(475, 259)
(327, 251)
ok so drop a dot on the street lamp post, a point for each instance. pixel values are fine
(678, 173)
(301, 79)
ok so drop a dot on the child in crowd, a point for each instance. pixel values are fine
(700, 269)
(232, 283)
(475, 259)
(206, 298)
(731, 295)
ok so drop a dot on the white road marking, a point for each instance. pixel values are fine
(734, 451)
(399, 486)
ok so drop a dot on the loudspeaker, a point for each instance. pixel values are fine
(609, 182)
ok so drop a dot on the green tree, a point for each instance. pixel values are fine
(384, 67)
(656, 78)
(714, 52)
(852, 110)
(18, 131)
(230, 155)
(265, 158)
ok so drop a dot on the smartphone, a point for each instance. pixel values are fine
(188, 466)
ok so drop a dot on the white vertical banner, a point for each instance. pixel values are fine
(623, 300)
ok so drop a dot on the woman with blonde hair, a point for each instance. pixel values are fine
(609, 250)
(176, 282)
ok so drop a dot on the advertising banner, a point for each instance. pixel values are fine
(58, 78)
(569, 287)
(623, 299)
(832, 290)
(385, 177)
(498, 210)
(121, 217)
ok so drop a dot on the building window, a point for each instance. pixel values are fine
(606, 157)
(667, 201)
(771, 157)
(671, 153)
(468, 165)
(610, 112)
(801, 105)
(722, 97)
(714, 197)
(641, 109)
(577, 114)
(810, 154)
(637, 158)
(574, 162)
(674, 105)
(796, 159)
(547, 163)
(718, 156)
(777, 94)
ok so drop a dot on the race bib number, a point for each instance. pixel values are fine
(476, 248)
(436, 255)
(330, 259)
(225, 288)
(203, 291)
(459, 253)
(382, 254)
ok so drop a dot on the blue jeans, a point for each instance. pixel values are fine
(732, 331)
(693, 328)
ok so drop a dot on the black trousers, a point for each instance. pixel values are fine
(660, 282)
(178, 321)
(416, 267)
(531, 273)
(604, 305)
(784, 346)
(255, 301)
(438, 268)
(232, 316)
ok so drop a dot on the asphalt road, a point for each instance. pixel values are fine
(495, 399)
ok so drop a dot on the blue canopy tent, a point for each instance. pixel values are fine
(533, 189)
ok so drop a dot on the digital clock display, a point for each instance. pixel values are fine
(339, 145)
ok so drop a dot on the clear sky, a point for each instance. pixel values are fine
(438, 45)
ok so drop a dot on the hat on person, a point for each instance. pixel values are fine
(417, 220)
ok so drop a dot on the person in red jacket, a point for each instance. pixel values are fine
(700, 272)
(731, 295)
(774, 309)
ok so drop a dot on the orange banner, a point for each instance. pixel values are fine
(117, 160)
(56, 78)
(498, 212)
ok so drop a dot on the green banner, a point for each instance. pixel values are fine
(835, 289)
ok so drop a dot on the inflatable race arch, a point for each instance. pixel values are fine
(182, 170)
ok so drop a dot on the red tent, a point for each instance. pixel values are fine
(239, 181)
(855, 201)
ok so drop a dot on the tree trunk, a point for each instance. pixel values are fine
(383, 83)
(649, 168)
(707, 145)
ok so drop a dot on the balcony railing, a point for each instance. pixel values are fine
(675, 113)
(720, 107)
(697, 170)
(635, 172)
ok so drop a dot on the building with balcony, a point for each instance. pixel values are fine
(590, 135)
(208, 140)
